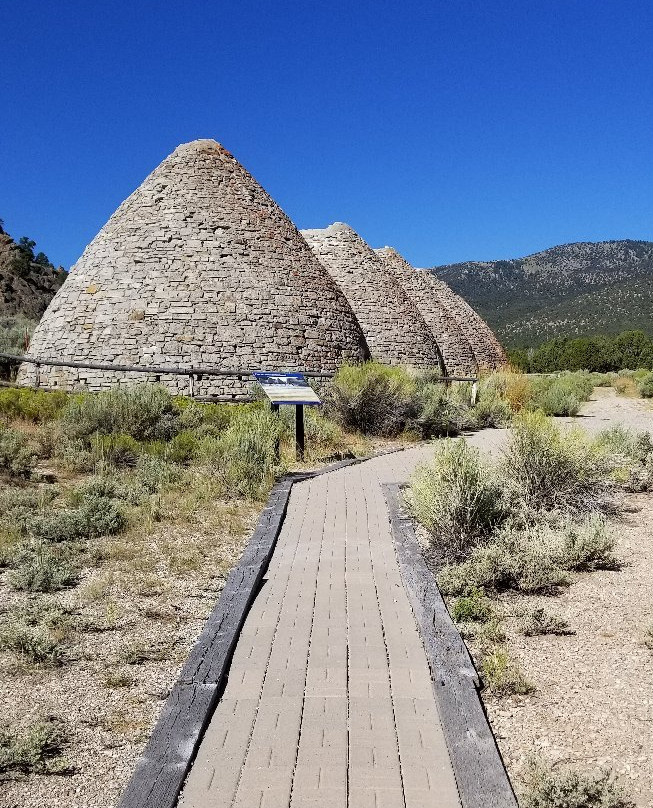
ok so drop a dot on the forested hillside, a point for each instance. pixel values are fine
(573, 290)
(28, 280)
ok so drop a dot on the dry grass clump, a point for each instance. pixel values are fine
(626, 386)
(538, 621)
(648, 639)
(546, 788)
(502, 675)
(37, 748)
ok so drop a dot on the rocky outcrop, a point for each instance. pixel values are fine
(393, 327)
(26, 287)
(198, 267)
(426, 292)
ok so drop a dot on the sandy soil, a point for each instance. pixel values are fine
(593, 707)
(151, 595)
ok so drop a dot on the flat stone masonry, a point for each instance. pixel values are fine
(393, 327)
(486, 347)
(198, 267)
(459, 358)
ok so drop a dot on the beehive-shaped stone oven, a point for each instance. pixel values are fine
(467, 326)
(486, 347)
(423, 290)
(393, 327)
(199, 267)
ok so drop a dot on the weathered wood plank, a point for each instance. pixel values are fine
(480, 774)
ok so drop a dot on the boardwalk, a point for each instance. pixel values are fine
(329, 699)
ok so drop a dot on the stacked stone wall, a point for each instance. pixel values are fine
(395, 331)
(198, 267)
(459, 359)
(486, 347)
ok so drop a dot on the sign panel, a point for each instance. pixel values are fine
(287, 388)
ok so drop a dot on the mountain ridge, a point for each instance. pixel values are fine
(577, 289)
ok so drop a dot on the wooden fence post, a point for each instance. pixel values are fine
(300, 438)
(277, 448)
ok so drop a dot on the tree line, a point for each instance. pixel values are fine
(630, 349)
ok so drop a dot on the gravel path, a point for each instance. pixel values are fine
(593, 706)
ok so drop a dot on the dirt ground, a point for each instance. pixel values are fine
(134, 619)
(593, 707)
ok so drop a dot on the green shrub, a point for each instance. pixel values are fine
(558, 400)
(549, 469)
(117, 449)
(562, 394)
(243, 459)
(40, 568)
(182, 448)
(324, 438)
(37, 406)
(75, 455)
(372, 398)
(98, 486)
(15, 332)
(211, 419)
(492, 413)
(440, 412)
(524, 560)
(33, 644)
(153, 473)
(456, 499)
(618, 440)
(17, 457)
(144, 412)
(587, 546)
(549, 789)
(534, 559)
(35, 749)
(95, 516)
(646, 386)
(502, 676)
(629, 456)
(473, 607)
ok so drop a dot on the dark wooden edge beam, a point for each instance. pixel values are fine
(480, 774)
(161, 771)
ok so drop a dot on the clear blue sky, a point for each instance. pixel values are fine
(465, 129)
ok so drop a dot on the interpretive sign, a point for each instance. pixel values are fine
(287, 388)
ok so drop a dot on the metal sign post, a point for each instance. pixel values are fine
(290, 388)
